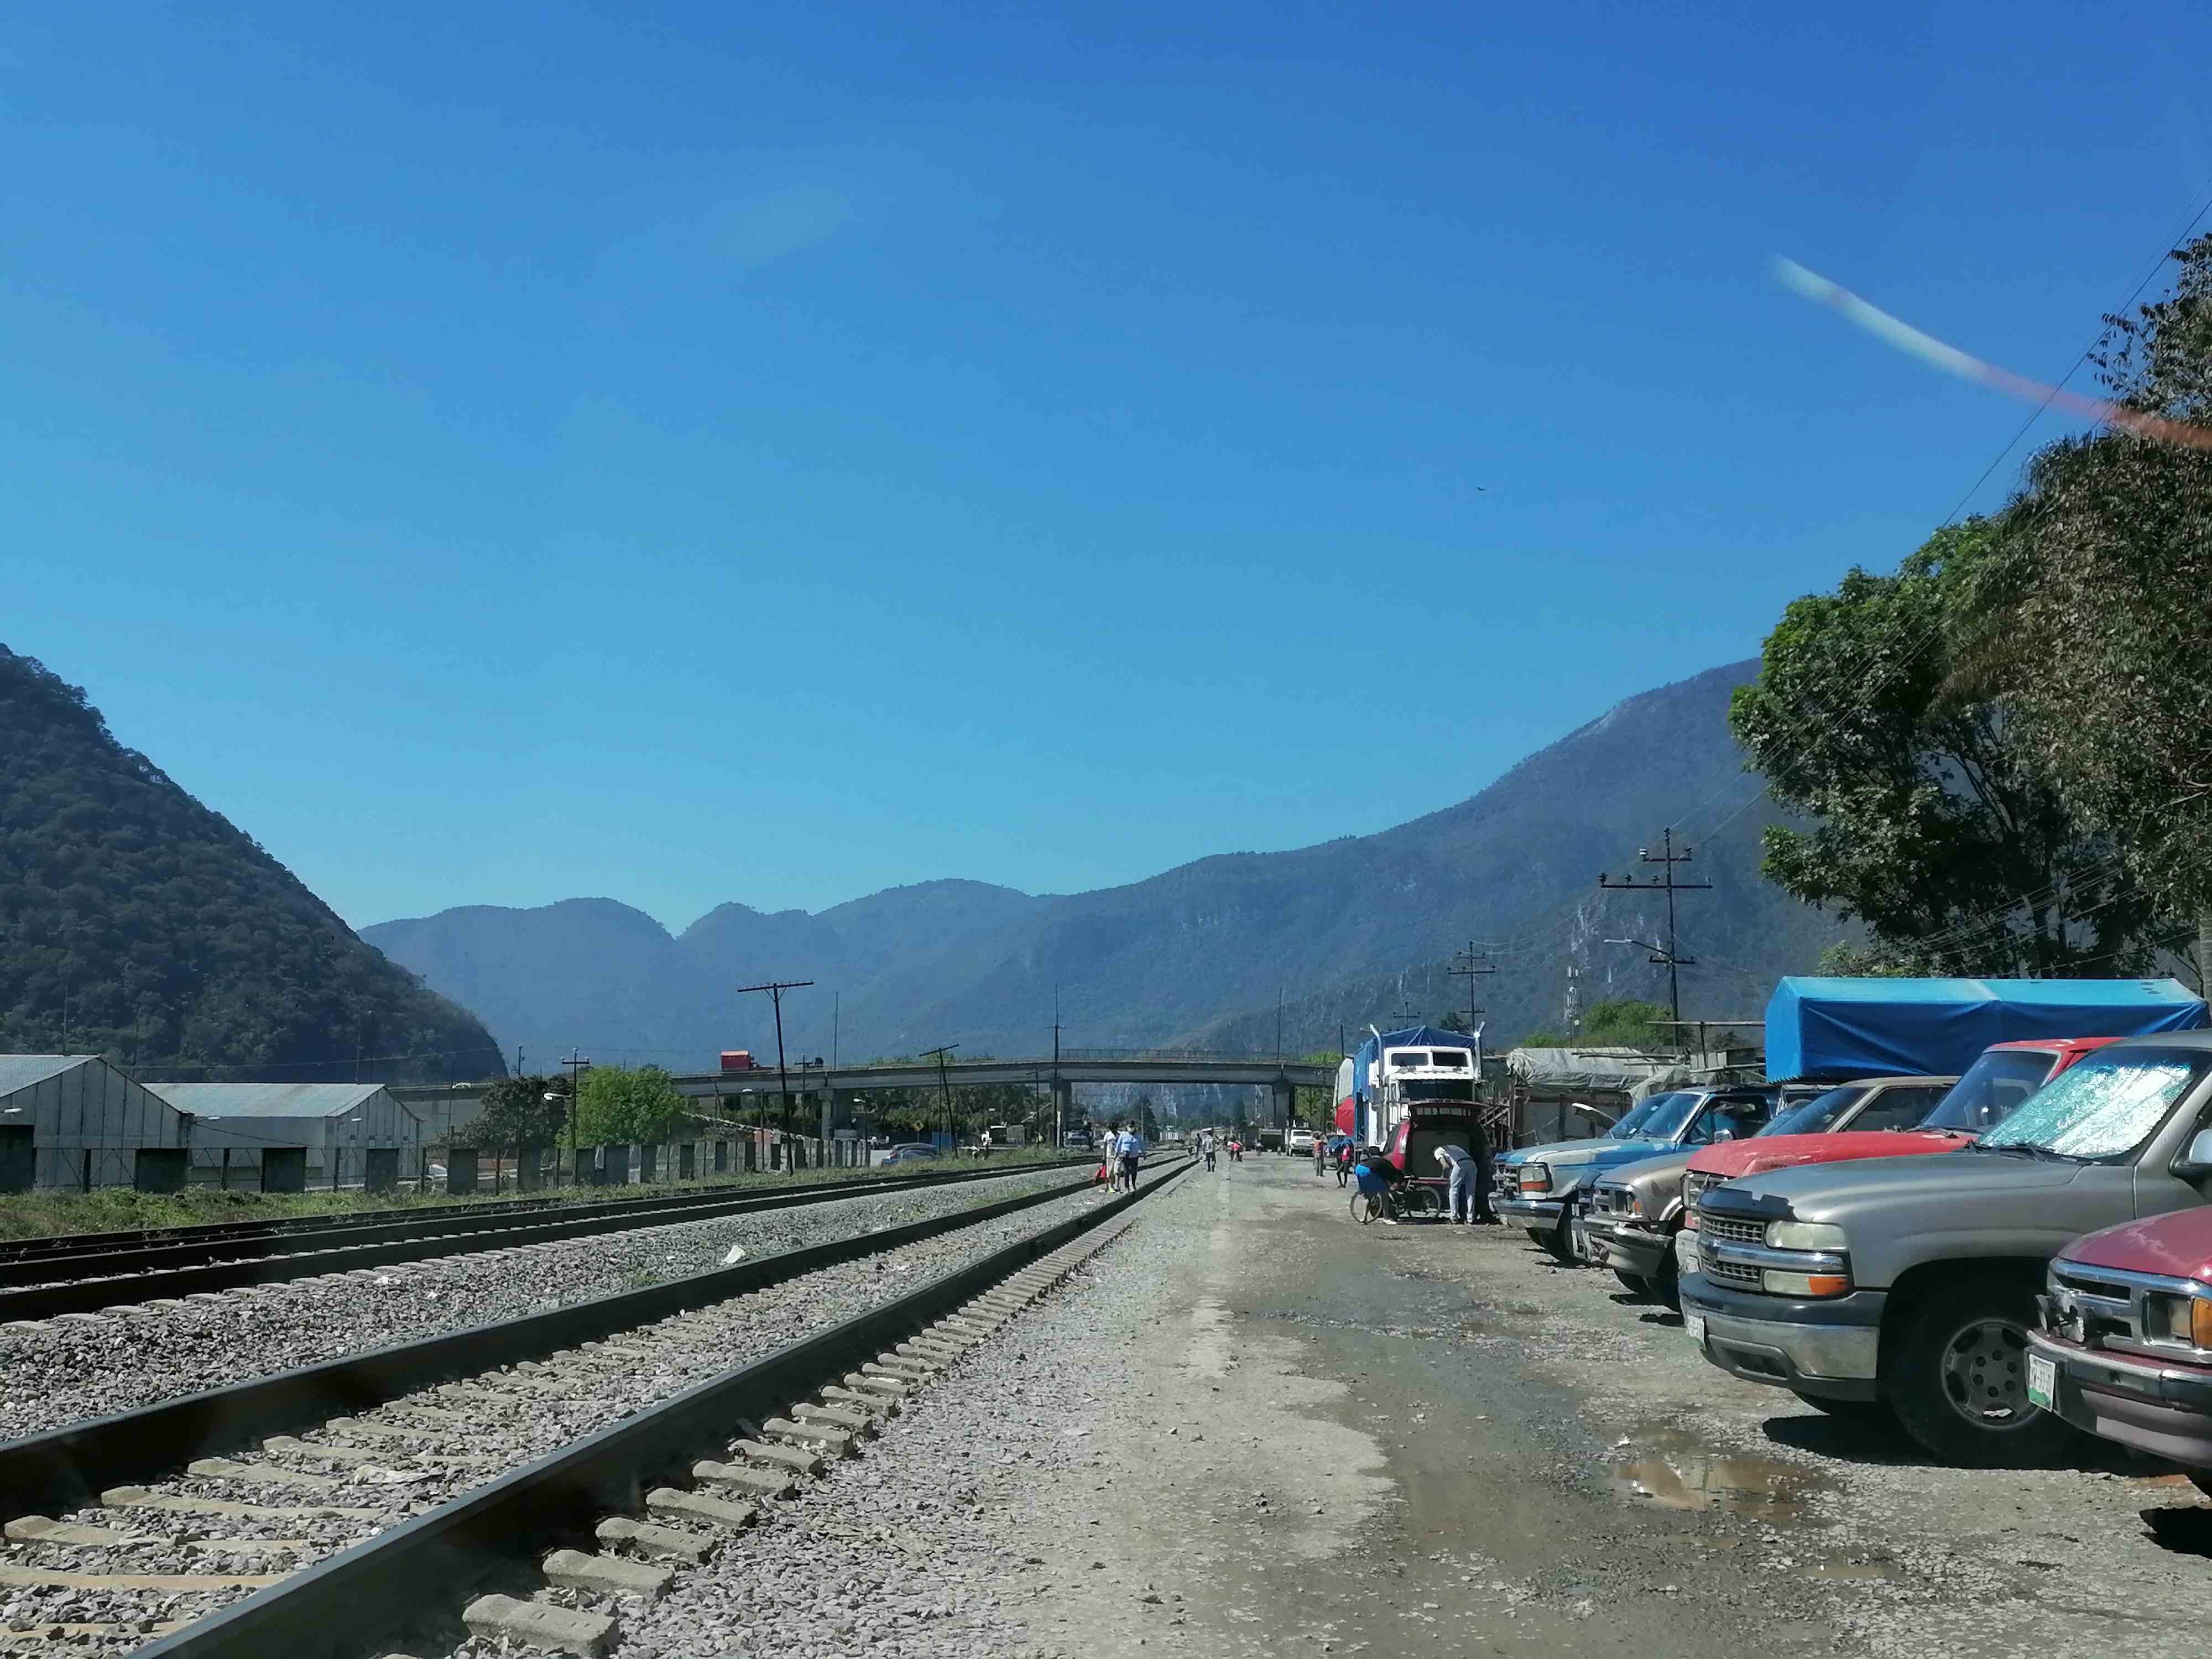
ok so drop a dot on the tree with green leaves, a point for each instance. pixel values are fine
(1934, 823)
(519, 1111)
(2097, 607)
(1611, 1023)
(622, 1106)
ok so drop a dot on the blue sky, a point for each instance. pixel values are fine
(693, 452)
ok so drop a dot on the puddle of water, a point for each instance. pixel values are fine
(1676, 1471)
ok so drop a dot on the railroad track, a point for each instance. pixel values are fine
(606, 1395)
(49, 1283)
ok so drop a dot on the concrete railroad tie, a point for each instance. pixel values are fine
(655, 1542)
(697, 1506)
(797, 1459)
(835, 1443)
(540, 1624)
(759, 1483)
(608, 1575)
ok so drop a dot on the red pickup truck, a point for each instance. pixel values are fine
(2126, 1348)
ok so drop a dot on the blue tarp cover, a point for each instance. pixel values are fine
(1847, 1027)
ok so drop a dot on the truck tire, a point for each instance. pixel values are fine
(1873, 1415)
(1559, 1239)
(1636, 1282)
(1957, 1377)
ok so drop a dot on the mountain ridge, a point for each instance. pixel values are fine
(1204, 949)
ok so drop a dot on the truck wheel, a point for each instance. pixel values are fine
(2202, 1479)
(1535, 1234)
(1958, 1378)
(1667, 1283)
(1559, 1239)
(1636, 1282)
(1873, 1415)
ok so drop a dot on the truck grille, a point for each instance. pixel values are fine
(1722, 1230)
(1729, 1272)
(1611, 1200)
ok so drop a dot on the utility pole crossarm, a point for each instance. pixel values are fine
(1667, 956)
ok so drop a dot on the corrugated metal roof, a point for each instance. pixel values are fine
(265, 1099)
(21, 1070)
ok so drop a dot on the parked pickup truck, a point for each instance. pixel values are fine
(1636, 1211)
(1907, 1285)
(2125, 1349)
(1541, 1188)
(2001, 1076)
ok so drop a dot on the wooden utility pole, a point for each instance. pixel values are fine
(1668, 956)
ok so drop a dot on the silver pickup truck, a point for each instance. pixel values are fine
(1907, 1287)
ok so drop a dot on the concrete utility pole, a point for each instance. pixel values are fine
(1058, 1128)
(776, 988)
(1667, 956)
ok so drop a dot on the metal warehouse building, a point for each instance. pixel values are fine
(281, 1134)
(73, 1120)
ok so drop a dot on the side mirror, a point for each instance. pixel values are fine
(1719, 1135)
(2196, 1163)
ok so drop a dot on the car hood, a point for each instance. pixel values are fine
(2177, 1245)
(1600, 1154)
(1665, 1168)
(1742, 1157)
(1867, 1188)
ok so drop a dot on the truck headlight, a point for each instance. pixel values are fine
(1803, 1236)
(1778, 1284)
(2179, 1319)
(1535, 1178)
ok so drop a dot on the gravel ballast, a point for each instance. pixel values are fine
(94, 1365)
(573, 1394)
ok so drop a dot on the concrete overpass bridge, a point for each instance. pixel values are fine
(828, 1095)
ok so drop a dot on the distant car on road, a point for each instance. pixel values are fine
(914, 1152)
(1302, 1142)
(1078, 1139)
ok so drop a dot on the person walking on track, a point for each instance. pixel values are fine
(1131, 1149)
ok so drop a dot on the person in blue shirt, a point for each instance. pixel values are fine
(1131, 1149)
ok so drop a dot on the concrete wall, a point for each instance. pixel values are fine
(90, 1108)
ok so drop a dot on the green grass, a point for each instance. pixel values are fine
(109, 1209)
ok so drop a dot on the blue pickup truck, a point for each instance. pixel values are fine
(1540, 1187)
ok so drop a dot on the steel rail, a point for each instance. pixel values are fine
(305, 1259)
(56, 1256)
(343, 1605)
(65, 1467)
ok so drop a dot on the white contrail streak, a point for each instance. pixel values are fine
(1952, 361)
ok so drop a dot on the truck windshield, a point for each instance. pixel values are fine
(1992, 1087)
(2101, 1108)
(1811, 1116)
(1666, 1123)
(1630, 1127)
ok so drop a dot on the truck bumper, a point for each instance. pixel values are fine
(1542, 1213)
(2157, 1407)
(1830, 1348)
(1632, 1250)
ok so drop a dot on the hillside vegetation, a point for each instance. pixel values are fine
(140, 924)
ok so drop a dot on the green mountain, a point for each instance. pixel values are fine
(136, 922)
(1350, 930)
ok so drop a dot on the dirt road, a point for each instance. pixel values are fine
(1265, 1430)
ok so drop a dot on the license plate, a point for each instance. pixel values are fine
(1695, 1324)
(2042, 1381)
